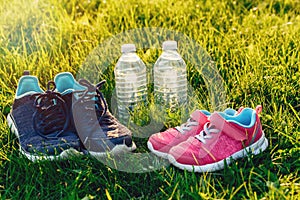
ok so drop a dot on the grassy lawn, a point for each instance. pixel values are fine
(254, 44)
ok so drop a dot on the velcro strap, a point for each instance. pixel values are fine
(226, 127)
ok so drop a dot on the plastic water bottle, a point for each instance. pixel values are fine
(170, 78)
(131, 82)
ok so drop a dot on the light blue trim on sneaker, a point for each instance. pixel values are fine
(230, 111)
(246, 118)
(227, 111)
(205, 112)
(65, 83)
(28, 84)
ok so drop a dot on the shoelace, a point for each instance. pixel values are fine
(51, 117)
(96, 111)
(187, 126)
(205, 134)
(93, 97)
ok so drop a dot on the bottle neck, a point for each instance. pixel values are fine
(170, 53)
(129, 53)
(170, 50)
(129, 56)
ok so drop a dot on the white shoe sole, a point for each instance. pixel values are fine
(63, 155)
(118, 149)
(256, 148)
(158, 153)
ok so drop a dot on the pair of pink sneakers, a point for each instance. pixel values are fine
(206, 141)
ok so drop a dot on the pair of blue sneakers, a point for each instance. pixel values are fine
(69, 118)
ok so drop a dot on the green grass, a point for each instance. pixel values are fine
(256, 49)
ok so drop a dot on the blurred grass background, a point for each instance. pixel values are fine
(255, 46)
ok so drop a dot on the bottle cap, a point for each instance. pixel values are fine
(169, 45)
(126, 48)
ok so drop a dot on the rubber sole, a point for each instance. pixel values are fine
(118, 149)
(158, 153)
(256, 148)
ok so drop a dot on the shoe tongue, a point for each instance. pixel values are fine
(199, 116)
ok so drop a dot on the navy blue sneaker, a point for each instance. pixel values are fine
(40, 120)
(99, 131)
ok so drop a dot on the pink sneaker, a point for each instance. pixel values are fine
(221, 139)
(161, 143)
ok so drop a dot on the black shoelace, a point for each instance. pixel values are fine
(94, 103)
(93, 97)
(51, 117)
